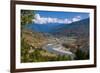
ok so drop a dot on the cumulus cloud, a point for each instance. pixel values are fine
(44, 20)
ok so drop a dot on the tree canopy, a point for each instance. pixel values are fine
(27, 16)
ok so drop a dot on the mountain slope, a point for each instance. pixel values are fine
(34, 39)
(76, 29)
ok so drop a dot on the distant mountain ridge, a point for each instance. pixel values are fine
(77, 28)
(46, 28)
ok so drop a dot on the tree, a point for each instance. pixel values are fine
(80, 55)
(27, 16)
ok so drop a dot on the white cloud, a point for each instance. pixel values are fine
(77, 18)
(67, 21)
(44, 20)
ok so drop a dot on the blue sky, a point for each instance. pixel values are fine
(44, 17)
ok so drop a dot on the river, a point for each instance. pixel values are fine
(58, 49)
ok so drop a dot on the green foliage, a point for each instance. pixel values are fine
(80, 55)
(63, 58)
(24, 50)
(26, 17)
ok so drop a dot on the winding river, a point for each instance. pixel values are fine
(58, 49)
